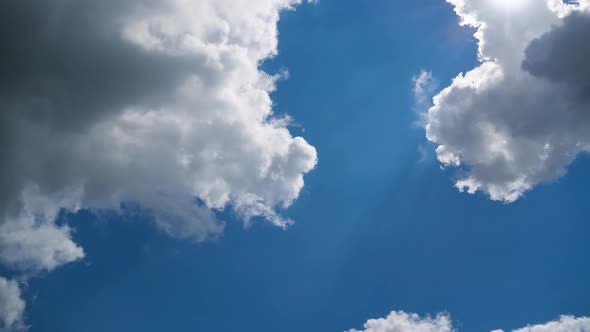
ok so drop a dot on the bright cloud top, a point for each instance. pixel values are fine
(155, 103)
(399, 321)
(564, 324)
(521, 117)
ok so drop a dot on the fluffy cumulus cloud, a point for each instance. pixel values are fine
(399, 321)
(159, 104)
(523, 115)
(11, 306)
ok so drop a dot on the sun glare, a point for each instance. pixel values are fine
(509, 5)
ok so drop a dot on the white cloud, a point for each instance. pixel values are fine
(31, 241)
(564, 324)
(508, 124)
(399, 321)
(158, 103)
(12, 306)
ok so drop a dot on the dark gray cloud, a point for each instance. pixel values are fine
(563, 54)
(64, 66)
(65, 63)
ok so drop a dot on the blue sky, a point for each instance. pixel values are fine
(378, 226)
